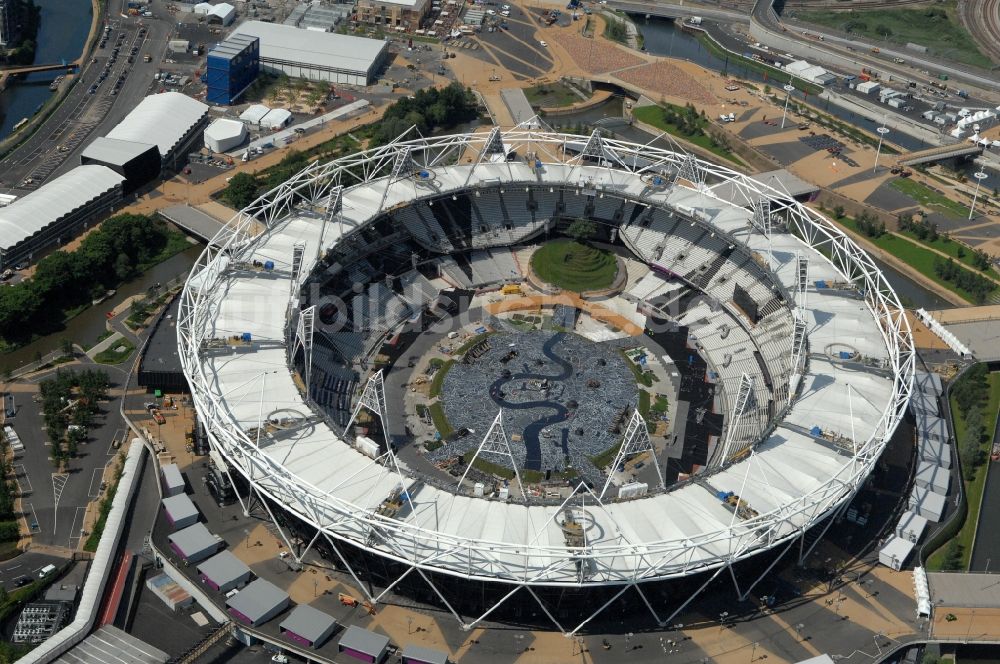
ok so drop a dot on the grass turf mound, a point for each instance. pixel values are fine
(573, 266)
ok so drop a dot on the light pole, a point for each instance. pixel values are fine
(789, 89)
(980, 176)
(628, 637)
(882, 131)
(753, 651)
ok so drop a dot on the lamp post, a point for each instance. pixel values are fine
(980, 176)
(882, 131)
(789, 89)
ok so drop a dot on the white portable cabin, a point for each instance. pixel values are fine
(934, 477)
(895, 553)
(911, 526)
(927, 504)
(170, 478)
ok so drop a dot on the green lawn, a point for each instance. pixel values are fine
(951, 247)
(440, 420)
(917, 257)
(551, 95)
(120, 351)
(605, 458)
(653, 115)
(437, 382)
(973, 489)
(573, 266)
(927, 197)
(643, 378)
(935, 26)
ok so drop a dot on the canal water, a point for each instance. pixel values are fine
(86, 328)
(61, 36)
(664, 38)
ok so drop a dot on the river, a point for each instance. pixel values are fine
(63, 32)
(86, 328)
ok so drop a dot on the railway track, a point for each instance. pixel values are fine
(982, 19)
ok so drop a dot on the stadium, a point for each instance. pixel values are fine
(343, 313)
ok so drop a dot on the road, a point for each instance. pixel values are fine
(859, 53)
(56, 146)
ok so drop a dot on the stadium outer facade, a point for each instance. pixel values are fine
(286, 453)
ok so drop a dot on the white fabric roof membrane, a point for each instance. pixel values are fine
(684, 529)
(163, 119)
(53, 201)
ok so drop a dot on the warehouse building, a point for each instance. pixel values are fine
(810, 72)
(170, 120)
(138, 163)
(224, 571)
(315, 55)
(220, 14)
(232, 67)
(257, 603)
(307, 626)
(57, 211)
(194, 543)
(393, 14)
(180, 511)
(223, 135)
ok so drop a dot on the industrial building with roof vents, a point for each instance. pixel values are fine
(170, 120)
(224, 135)
(315, 55)
(56, 211)
(231, 68)
(138, 163)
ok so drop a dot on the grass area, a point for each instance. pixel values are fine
(937, 27)
(654, 115)
(660, 405)
(176, 243)
(974, 489)
(927, 197)
(118, 353)
(606, 457)
(642, 377)
(774, 74)
(917, 257)
(946, 245)
(437, 382)
(8, 550)
(551, 95)
(468, 345)
(440, 419)
(615, 30)
(493, 469)
(573, 266)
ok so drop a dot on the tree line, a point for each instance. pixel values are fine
(977, 286)
(927, 231)
(122, 247)
(428, 110)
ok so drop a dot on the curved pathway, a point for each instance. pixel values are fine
(532, 444)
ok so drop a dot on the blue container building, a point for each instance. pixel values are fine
(232, 66)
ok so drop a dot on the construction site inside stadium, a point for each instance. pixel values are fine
(370, 348)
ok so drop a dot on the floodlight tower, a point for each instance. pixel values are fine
(980, 176)
(882, 131)
(789, 89)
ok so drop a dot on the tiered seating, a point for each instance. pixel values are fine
(417, 290)
(648, 237)
(484, 270)
(605, 208)
(424, 227)
(453, 273)
(505, 264)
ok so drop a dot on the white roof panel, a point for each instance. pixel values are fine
(163, 119)
(53, 201)
(327, 49)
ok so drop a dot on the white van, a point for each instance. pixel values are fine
(45, 571)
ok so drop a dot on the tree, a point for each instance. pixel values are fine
(953, 556)
(838, 211)
(67, 347)
(241, 190)
(582, 230)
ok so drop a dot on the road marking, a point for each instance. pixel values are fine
(75, 529)
(23, 472)
(111, 446)
(96, 479)
(11, 568)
